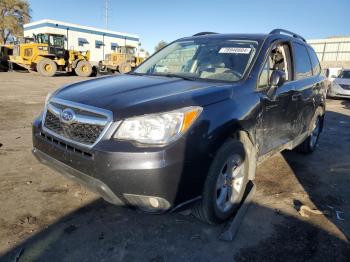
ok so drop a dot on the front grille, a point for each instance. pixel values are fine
(346, 87)
(86, 127)
(66, 146)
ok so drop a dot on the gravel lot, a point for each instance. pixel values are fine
(45, 217)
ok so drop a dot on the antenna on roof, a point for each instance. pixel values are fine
(106, 13)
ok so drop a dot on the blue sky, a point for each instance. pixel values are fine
(156, 20)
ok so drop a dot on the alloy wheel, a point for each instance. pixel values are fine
(229, 184)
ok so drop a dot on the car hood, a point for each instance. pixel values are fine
(128, 95)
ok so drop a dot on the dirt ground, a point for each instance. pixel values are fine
(45, 217)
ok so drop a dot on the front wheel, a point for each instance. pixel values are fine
(83, 68)
(46, 67)
(225, 184)
(124, 68)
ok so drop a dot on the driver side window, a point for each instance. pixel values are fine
(278, 59)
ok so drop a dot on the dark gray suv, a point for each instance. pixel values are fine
(189, 124)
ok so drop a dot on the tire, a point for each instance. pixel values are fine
(46, 67)
(83, 68)
(310, 143)
(210, 209)
(124, 68)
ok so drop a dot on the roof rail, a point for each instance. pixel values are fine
(204, 33)
(280, 31)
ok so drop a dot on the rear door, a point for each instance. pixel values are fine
(307, 85)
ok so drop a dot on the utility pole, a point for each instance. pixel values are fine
(106, 14)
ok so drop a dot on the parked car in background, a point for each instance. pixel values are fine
(340, 87)
(158, 139)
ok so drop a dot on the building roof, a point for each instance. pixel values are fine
(80, 28)
(330, 40)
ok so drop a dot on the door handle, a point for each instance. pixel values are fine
(295, 97)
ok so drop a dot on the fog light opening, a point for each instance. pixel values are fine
(150, 204)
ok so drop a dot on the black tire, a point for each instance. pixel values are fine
(124, 68)
(310, 143)
(207, 209)
(46, 67)
(83, 68)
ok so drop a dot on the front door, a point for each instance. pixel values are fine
(278, 107)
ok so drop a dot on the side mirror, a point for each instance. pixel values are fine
(277, 78)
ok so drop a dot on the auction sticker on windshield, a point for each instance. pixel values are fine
(235, 50)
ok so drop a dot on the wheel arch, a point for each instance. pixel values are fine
(250, 148)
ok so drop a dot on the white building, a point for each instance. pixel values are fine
(99, 41)
(332, 51)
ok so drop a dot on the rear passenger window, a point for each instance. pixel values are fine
(316, 68)
(301, 62)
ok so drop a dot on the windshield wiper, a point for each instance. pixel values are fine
(165, 75)
(137, 74)
(176, 75)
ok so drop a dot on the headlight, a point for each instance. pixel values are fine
(159, 128)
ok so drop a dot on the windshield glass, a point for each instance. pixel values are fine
(344, 74)
(214, 59)
(57, 40)
(43, 39)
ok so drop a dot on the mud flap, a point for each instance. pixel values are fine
(233, 225)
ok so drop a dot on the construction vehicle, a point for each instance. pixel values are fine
(123, 60)
(5, 53)
(45, 53)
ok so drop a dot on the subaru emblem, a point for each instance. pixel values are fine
(67, 116)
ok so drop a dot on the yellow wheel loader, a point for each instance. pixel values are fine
(46, 54)
(122, 61)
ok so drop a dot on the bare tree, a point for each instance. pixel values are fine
(160, 45)
(13, 15)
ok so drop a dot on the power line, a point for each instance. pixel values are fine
(106, 13)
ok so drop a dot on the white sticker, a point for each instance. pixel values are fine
(235, 50)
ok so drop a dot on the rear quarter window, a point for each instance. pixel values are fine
(302, 62)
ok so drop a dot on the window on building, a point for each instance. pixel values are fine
(98, 44)
(114, 46)
(82, 41)
(316, 68)
(302, 62)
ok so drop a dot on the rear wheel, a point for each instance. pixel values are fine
(310, 143)
(225, 184)
(46, 67)
(83, 68)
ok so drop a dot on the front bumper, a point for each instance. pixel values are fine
(154, 180)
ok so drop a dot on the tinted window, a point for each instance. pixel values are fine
(316, 68)
(301, 61)
(344, 74)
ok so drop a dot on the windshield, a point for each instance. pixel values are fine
(214, 59)
(57, 40)
(42, 38)
(344, 74)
